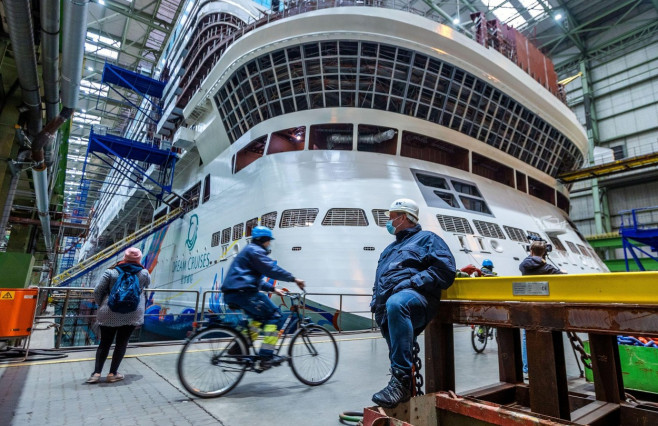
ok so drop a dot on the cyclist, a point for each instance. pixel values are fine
(242, 285)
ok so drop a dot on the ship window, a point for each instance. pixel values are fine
(489, 229)
(298, 217)
(251, 224)
(380, 216)
(454, 224)
(191, 197)
(331, 136)
(475, 205)
(237, 231)
(448, 198)
(206, 188)
(287, 140)
(226, 235)
(268, 219)
(541, 190)
(382, 140)
(572, 247)
(433, 181)
(583, 250)
(425, 148)
(466, 188)
(521, 182)
(215, 239)
(493, 170)
(250, 153)
(345, 217)
(562, 202)
(515, 234)
(557, 244)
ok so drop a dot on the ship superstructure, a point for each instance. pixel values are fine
(312, 119)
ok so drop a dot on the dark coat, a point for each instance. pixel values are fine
(533, 265)
(417, 259)
(248, 269)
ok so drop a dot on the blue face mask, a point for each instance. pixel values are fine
(389, 227)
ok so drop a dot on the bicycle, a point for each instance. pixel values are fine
(207, 369)
(480, 335)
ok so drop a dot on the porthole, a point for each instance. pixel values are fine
(496, 246)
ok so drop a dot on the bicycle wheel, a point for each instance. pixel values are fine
(479, 338)
(313, 355)
(205, 366)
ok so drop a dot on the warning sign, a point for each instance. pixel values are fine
(7, 295)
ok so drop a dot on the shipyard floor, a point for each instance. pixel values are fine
(55, 393)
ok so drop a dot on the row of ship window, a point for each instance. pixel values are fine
(361, 74)
(384, 140)
(293, 218)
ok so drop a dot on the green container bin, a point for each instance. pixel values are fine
(639, 367)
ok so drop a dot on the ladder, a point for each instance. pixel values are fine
(107, 253)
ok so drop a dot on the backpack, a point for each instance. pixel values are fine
(125, 294)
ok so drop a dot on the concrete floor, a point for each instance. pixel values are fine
(54, 392)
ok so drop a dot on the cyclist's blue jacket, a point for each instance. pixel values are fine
(417, 259)
(248, 269)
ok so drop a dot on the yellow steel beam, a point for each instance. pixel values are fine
(610, 168)
(621, 287)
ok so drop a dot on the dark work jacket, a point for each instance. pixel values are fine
(533, 265)
(417, 259)
(248, 269)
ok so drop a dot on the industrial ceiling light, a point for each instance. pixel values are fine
(558, 16)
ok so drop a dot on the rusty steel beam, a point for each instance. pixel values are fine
(606, 367)
(611, 319)
(510, 364)
(456, 411)
(549, 391)
(439, 357)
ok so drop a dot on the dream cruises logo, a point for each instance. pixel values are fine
(192, 232)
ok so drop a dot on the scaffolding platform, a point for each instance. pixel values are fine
(122, 77)
(129, 149)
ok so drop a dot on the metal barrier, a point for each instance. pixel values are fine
(74, 311)
(307, 310)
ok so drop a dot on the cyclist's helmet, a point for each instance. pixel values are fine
(486, 263)
(262, 233)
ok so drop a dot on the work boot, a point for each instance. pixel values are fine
(273, 361)
(398, 390)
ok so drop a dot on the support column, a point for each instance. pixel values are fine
(591, 123)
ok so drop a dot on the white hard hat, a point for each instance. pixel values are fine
(404, 205)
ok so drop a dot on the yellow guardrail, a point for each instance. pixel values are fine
(114, 248)
(610, 168)
(619, 287)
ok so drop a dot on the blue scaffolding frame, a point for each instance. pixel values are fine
(128, 154)
(141, 84)
(635, 233)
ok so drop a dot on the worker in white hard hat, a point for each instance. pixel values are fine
(411, 273)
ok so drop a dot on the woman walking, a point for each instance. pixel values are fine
(116, 294)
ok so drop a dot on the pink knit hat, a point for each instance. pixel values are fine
(132, 255)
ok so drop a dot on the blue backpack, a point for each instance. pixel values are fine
(125, 294)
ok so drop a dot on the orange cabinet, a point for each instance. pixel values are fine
(17, 307)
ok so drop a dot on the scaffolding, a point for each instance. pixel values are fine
(638, 228)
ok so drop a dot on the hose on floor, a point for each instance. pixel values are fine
(351, 417)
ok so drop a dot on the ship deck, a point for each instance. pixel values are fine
(54, 392)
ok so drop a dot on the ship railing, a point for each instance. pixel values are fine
(112, 250)
(71, 313)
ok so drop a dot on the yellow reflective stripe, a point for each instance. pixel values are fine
(271, 335)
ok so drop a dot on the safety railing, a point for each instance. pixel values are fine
(171, 314)
(315, 311)
(72, 312)
(637, 219)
